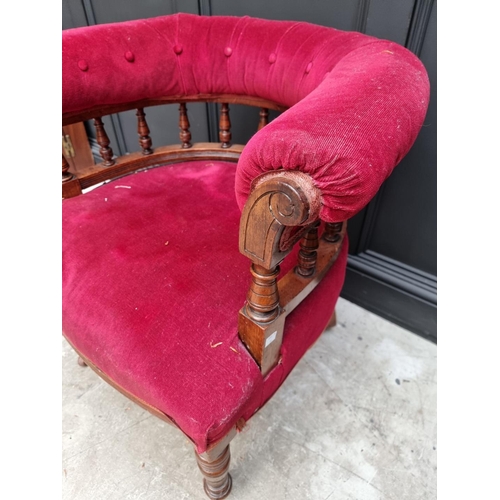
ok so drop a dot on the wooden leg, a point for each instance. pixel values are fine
(333, 320)
(81, 362)
(217, 481)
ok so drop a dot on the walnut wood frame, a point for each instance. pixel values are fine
(283, 208)
(87, 114)
(112, 167)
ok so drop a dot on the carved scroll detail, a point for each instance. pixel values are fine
(278, 200)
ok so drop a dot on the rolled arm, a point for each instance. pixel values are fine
(349, 133)
(282, 208)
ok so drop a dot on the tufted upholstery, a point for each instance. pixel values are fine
(143, 313)
(356, 102)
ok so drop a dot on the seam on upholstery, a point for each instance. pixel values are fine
(364, 46)
(230, 44)
(276, 48)
(178, 56)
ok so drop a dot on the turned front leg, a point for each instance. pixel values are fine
(217, 481)
(81, 362)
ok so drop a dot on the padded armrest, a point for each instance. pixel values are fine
(356, 103)
(349, 133)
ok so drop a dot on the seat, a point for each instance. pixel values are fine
(196, 275)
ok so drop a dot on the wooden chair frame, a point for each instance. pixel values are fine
(282, 209)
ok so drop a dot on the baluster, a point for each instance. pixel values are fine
(332, 231)
(263, 299)
(184, 134)
(225, 126)
(143, 131)
(264, 118)
(261, 321)
(103, 141)
(308, 254)
(66, 176)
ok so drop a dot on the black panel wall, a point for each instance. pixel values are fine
(392, 263)
(392, 258)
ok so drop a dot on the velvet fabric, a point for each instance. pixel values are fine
(356, 102)
(152, 284)
(152, 276)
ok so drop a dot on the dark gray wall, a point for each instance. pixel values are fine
(392, 261)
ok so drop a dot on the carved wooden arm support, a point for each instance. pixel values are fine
(282, 208)
(278, 204)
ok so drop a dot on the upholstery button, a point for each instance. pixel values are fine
(228, 51)
(129, 56)
(82, 64)
(309, 66)
(272, 58)
(178, 49)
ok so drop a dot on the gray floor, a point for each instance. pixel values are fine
(356, 419)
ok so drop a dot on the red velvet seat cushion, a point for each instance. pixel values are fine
(152, 285)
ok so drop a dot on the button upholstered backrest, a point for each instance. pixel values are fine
(356, 103)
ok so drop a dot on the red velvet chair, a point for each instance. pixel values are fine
(157, 294)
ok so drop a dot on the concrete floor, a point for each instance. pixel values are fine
(356, 419)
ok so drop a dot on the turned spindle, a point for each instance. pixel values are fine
(217, 481)
(66, 176)
(306, 265)
(143, 131)
(332, 232)
(184, 134)
(225, 126)
(264, 118)
(263, 299)
(103, 141)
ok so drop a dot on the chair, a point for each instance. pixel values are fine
(157, 294)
